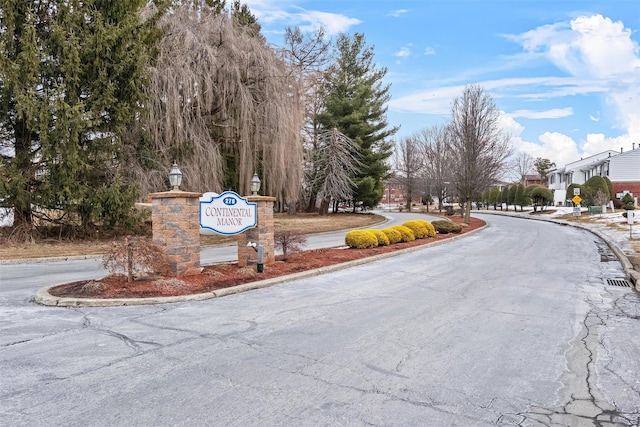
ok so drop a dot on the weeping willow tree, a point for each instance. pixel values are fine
(223, 105)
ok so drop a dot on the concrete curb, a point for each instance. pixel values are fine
(632, 275)
(45, 298)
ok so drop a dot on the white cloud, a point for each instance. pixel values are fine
(554, 113)
(509, 125)
(557, 147)
(429, 51)
(403, 52)
(270, 12)
(333, 23)
(436, 101)
(597, 143)
(398, 13)
(595, 118)
(601, 54)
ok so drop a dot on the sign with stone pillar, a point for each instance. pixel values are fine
(175, 225)
(262, 234)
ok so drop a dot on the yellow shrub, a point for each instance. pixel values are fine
(393, 235)
(405, 232)
(421, 228)
(361, 239)
(431, 230)
(383, 240)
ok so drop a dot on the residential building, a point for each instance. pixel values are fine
(622, 169)
(395, 194)
(536, 179)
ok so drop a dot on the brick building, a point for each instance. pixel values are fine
(395, 194)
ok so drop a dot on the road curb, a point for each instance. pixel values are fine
(43, 296)
(632, 275)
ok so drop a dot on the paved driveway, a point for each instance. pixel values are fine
(510, 326)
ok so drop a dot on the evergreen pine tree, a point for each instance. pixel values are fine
(72, 75)
(521, 198)
(355, 104)
(512, 196)
(504, 197)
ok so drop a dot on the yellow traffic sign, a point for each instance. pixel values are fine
(576, 199)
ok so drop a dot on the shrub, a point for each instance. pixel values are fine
(446, 227)
(289, 241)
(383, 240)
(361, 239)
(628, 202)
(393, 235)
(405, 233)
(421, 229)
(133, 255)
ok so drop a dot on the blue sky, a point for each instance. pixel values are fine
(566, 74)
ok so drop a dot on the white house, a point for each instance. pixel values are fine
(577, 172)
(624, 173)
(622, 168)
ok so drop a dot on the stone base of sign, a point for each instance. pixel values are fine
(262, 234)
(175, 217)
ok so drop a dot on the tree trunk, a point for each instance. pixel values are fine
(22, 198)
(311, 206)
(467, 213)
(324, 207)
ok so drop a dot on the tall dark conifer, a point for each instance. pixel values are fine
(355, 104)
(71, 77)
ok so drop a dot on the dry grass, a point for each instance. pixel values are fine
(305, 223)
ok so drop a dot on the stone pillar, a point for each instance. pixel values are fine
(261, 234)
(175, 217)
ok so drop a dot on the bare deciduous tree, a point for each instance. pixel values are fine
(479, 145)
(409, 165)
(438, 160)
(336, 167)
(308, 55)
(521, 165)
(224, 105)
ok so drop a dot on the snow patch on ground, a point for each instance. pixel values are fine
(6, 217)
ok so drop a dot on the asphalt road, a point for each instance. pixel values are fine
(513, 325)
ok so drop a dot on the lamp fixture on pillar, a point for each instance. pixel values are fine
(255, 184)
(175, 177)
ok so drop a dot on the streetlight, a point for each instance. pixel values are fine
(255, 184)
(175, 177)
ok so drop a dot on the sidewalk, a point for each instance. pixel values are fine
(607, 226)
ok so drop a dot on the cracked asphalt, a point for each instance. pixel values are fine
(513, 325)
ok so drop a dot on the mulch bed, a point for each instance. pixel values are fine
(220, 276)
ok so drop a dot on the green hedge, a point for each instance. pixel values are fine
(446, 227)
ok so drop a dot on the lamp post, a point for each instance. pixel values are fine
(255, 184)
(175, 177)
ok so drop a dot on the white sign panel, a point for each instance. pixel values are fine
(227, 213)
